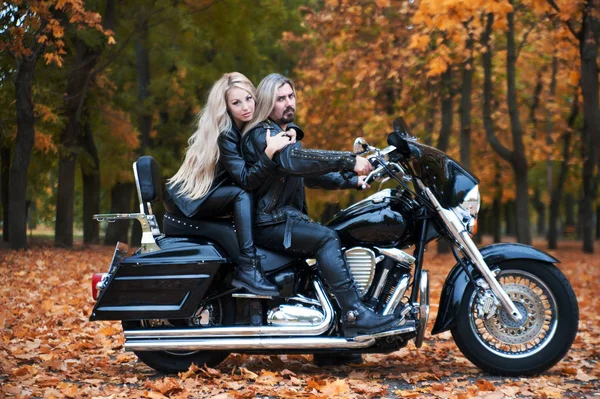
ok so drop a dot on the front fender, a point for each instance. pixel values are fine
(457, 281)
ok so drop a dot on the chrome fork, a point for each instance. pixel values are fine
(458, 231)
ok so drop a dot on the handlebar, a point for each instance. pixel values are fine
(385, 167)
(375, 173)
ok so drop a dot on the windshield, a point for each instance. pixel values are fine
(446, 178)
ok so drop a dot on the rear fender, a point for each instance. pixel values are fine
(165, 284)
(457, 281)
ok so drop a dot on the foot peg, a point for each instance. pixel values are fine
(407, 327)
(249, 295)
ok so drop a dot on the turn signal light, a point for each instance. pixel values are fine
(472, 228)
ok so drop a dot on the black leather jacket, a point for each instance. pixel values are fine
(231, 169)
(281, 195)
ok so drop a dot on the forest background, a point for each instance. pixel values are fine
(508, 88)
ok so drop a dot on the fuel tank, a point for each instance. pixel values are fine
(384, 218)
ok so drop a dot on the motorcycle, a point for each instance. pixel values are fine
(510, 310)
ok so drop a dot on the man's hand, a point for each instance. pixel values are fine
(363, 180)
(362, 166)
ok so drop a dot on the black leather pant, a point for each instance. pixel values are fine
(236, 200)
(309, 239)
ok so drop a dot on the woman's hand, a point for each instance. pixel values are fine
(291, 133)
(277, 142)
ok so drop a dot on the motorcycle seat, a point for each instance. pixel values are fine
(222, 232)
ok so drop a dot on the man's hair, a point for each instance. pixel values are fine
(266, 95)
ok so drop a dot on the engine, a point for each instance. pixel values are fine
(382, 279)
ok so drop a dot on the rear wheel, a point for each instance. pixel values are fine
(219, 312)
(498, 344)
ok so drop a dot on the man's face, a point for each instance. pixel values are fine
(285, 106)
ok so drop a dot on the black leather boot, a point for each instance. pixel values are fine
(358, 319)
(249, 275)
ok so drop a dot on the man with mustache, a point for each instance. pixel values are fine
(281, 222)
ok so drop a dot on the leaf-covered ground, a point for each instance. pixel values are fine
(48, 348)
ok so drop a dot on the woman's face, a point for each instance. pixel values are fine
(240, 105)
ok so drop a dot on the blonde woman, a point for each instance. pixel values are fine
(214, 179)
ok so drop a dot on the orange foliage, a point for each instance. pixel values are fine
(39, 18)
(44, 142)
(121, 128)
(48, 348)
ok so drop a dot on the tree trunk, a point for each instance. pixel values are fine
(445, 131)
(497, 218)
(550, 124)
(17, 190)
(447, 95)
(431, 108)
(556, 194)
(90, 173)
(588, 49)
(142, 57)
(598, 222)
(540, 209)
(497, 205)
(90, 162)
(70, 140)
(519, 160)
(120, 202)
(511, 228)
(4, 174)
(569, 210)
(516, 157)
(465, 107)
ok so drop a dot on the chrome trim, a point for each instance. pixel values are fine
(303, 299)
(389, 333)
(381, 283)
(361, 262)
(468, 247)
(398, 255)
(137, 187)
(423, 308)
(148, 223)
(237, 344)
(509, 334)
(397, 295)
(294, 315)
(250, 296)
(216, 332)
(377, 197)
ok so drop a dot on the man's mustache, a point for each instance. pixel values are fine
(285, 111)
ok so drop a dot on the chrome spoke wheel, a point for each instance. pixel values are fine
(502, 335)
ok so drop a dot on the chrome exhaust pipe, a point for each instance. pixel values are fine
(218, 332)
(236, 344)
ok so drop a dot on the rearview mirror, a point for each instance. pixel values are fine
(400, 126)
(360, 146)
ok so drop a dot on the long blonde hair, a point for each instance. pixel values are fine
(197, 172)
(266, 95)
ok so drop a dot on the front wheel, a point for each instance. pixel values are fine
(498, 344)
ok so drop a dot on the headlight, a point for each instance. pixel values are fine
(472, 201)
